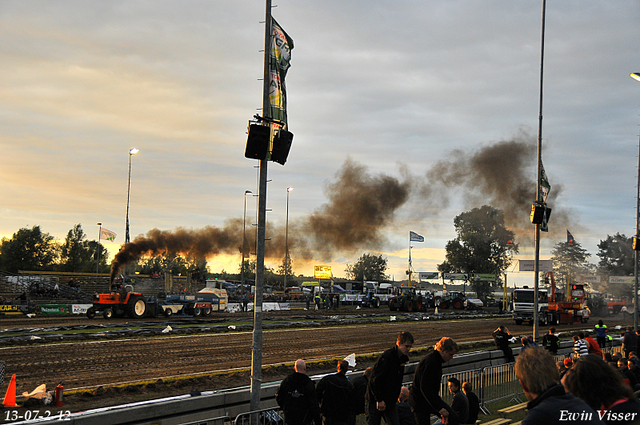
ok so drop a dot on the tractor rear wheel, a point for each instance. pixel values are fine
(408, 306)
(136, 307)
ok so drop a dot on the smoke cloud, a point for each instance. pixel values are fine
(362, 205)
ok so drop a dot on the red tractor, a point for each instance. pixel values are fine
(121, 301)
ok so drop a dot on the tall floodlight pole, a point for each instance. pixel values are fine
(286, 241)
(244, 235)
(98, 249)
(132, 152)
(636, 76)
(536, 268)
(256, 353)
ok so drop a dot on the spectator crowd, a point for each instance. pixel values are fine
(588, 387)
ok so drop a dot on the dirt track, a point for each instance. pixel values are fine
(107, 362)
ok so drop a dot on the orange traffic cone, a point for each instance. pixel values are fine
(10, 396)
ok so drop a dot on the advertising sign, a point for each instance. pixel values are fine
(80, 308)
(455, 276)
(428, 275)
(322, 272)
(621, 279)
(484, 277)
(54, 309)
(528, 265)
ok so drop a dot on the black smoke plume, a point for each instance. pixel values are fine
(361, 206)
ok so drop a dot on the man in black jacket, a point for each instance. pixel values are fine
(386, 380)
(335, 395)
(297, 397)
(424, 396)
(501, 336)
(550, 341)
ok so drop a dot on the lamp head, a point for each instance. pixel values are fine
(635, 75)
(246, 192)
(290, 188)
(133, 151)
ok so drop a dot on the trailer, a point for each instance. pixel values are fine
(203, 303)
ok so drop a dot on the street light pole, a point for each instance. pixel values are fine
(132, 152)
(536, 262)
(98, 249)
(286, 242)
(636, 76)
(244, 235)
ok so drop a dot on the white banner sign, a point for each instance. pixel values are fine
(80, 308)
(621, 279)
(528, 265)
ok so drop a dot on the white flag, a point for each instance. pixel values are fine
(107, 235)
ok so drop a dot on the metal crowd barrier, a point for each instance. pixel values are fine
(220, 420)
(260, 417)
(491, 384)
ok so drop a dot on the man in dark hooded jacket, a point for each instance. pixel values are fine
(335, 394)
(297, 397)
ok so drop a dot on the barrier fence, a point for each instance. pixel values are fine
(495, 383)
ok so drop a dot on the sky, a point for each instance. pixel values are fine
(411, 93)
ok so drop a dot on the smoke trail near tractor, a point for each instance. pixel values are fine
(200, 243)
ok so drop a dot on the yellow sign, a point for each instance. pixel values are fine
(322, 272)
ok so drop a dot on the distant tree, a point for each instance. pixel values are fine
(286, 267)
(483, 245)
(28, 249)
(93, 247)
(616, 256)
(369, 267)
(76, 253)
(617, 259)
(569, 260)
(249, 270)
(175, 265)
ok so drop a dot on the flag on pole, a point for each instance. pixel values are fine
(545, 187)
(279, 63)
(107, 235)
(414, 237)
(570, 238)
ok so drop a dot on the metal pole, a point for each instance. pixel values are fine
(635, 252)
(286, 241)
(636, 76)
(127, 239)
(536, 268)
(244, 235)
(256, 355)
(98, 249)
(132, 152)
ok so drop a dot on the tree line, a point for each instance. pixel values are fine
(483, 245)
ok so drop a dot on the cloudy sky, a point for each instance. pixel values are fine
(408, 91)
